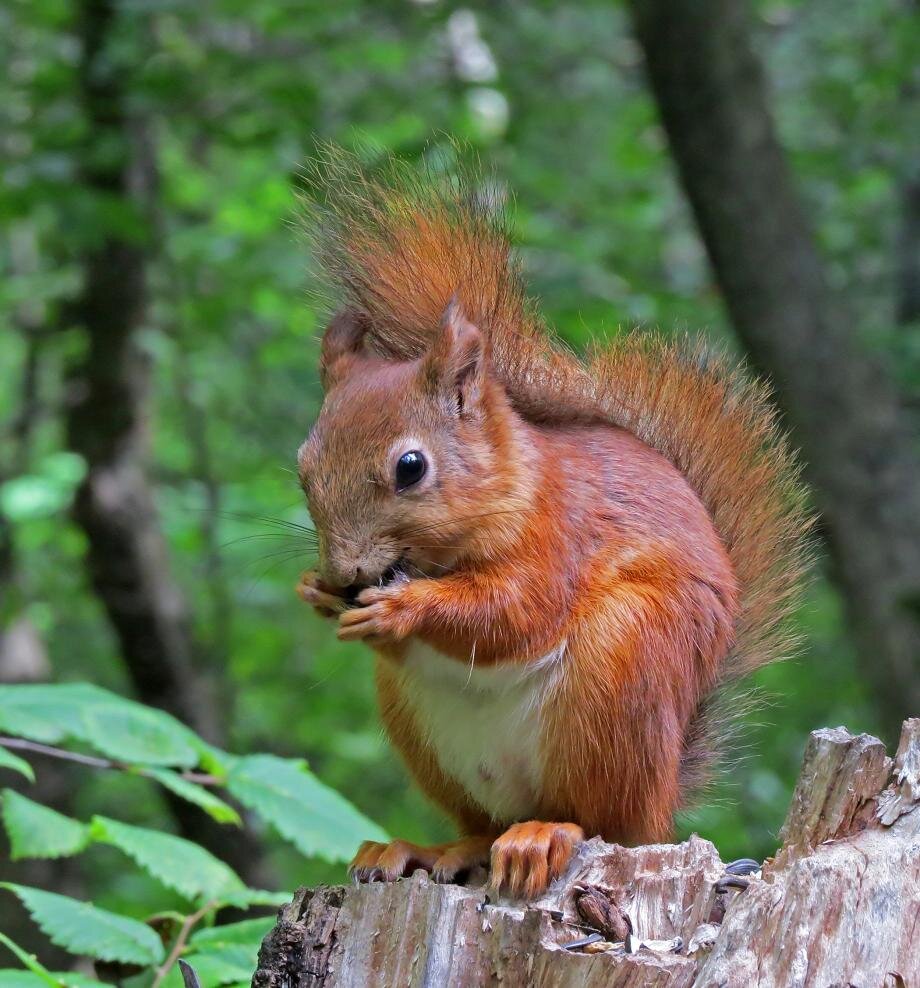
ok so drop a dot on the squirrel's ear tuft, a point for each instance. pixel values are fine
(454, 367)
(342, 342)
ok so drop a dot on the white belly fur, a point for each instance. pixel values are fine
(484, 724)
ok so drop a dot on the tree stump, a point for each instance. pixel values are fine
(838, 905)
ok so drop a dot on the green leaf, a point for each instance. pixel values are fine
(256, 897)
(138, 734)
(20, 765)
(36, 831)
(26, 710)
(13, 978)
(116, 727)
(216, 808)
(247, 932)
(221, 954)
(316, 819)
(212, 760)
(177, 863)
(220, 965)
(41, 495)
(84, 929)
(29, 961)
(71, 980)
(27, 497)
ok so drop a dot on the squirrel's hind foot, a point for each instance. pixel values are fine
(523, 860)
(528, 856)
(376, 862)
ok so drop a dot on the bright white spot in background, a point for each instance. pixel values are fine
(489, 109)
(472, 57)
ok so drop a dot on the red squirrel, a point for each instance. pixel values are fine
(560, 564)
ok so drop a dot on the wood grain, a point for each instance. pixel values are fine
(839, 904)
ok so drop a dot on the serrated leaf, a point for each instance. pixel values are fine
(69, 979)
(216, 808)
(256, 897)
(177, 863)
(316, 819)
(17, 764)
(29, 961)
(131, 732)
(118, 728)
(28, 711)
(222, 954)
(37, 831)
(212, 760)
(13, 978)
(225, 964)
(139, 735)
(246, 932)
(49, 712)
(84, 929)
(173, 978)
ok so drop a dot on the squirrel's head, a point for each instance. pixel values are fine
(410, 463)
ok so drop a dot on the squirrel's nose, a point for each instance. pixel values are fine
(350, 584)
(343, 575)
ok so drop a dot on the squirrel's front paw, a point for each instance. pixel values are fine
(312, 589)
(382, 616)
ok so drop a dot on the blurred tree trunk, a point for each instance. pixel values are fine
(908, 261)
(108, 405)
(107, 420)
(22, 652)
(847, 417)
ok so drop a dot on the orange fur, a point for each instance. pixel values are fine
(637, 517)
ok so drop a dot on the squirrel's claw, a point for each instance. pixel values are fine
(460, 856)
(528, 856)
(377, 862)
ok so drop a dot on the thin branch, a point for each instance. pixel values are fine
(181, 941)
(93, 761)
(70, 756)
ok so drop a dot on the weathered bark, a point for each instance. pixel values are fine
(856, 436)
(106, 424)
(839, 904)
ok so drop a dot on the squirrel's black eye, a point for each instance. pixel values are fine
(410, 468)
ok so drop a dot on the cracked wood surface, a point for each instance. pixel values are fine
(839, 904)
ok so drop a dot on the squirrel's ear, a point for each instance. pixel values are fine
(454, 367)
(342, 341)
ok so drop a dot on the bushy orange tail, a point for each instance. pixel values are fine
(398, 244)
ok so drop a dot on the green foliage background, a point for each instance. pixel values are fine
(233, 96)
